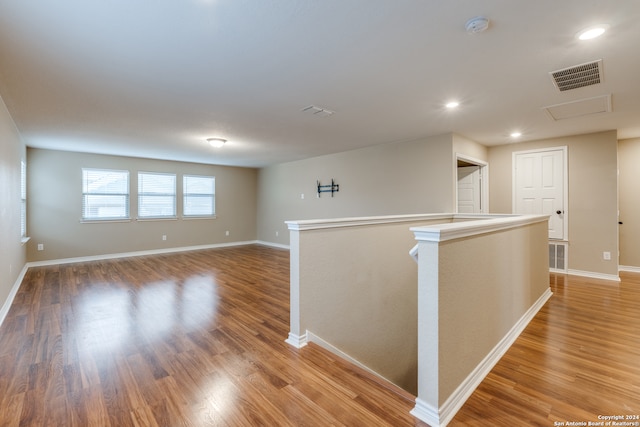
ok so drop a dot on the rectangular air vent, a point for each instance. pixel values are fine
(578, 76)
(558, 257)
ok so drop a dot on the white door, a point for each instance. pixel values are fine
(469, 194)
(539, 181)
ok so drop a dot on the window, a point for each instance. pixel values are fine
(199, 195)
(105, 194)
(23, 199)
(156, 195)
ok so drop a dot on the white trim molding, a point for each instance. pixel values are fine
(440, 417)
(12, 294)
(629, 268)
(313, 224)
(484, 180)
(273, 245)
(311, 337)
(484, 224)
(298, 341)
(594, 275)
(138, 253)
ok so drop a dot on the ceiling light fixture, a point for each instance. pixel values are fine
(592, 32)
(216, 142)
(451, 105)
(516, 134)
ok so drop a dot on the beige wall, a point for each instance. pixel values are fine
(363, 304)
(593, 195)
(55, 186)
(477, 289)
(12, 252)
(629, 197)
(481, 298)
(469, 148)
(388, 179)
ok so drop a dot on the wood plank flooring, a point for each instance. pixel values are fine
(578, 359)
(187, 339)
(197, 339)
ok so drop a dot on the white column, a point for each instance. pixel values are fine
(297, 337)
(427, 402)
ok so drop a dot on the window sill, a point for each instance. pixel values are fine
(188, 218)
(25, 240)
(103, 221)
(169, 218)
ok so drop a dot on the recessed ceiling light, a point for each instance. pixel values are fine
(592, 32)
(216, 142)
(451, 105)
(516, 134)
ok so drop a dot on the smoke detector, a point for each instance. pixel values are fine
(477, 25)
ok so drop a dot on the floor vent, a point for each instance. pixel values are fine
(558, 256)
(578, 76)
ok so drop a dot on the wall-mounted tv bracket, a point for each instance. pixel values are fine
(329, 188)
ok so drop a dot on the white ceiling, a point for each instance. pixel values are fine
(154, 78)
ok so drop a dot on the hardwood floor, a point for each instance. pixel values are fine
(578, 359)
(197, 339)
(187, 339)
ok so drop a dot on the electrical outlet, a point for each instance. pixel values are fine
(164, 237)
(226, 233)
(41, 246)
(302, 196)
(606, 256)
(277, 233)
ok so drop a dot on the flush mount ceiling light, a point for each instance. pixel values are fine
(592, 32)
(516, 134)
(216, 142)
(451, 105)
(477, 25)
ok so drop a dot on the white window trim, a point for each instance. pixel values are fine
(23, 201)
(127, 218)
(213, 197)
(174, 216)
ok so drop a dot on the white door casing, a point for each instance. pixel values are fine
(469, 194)
(539, 186)
(480, 195)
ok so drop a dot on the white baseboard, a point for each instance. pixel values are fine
(593, 275)
(12, 294)
(311, 337)
(138, 253)
(273, 245)
(629, 268)
(427, 413)
(440, 417)
(298, 341)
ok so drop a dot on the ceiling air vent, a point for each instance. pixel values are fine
(317, 111)
(578, 76)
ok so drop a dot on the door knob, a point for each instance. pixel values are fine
(558, 212)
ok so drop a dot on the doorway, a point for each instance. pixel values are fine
(472, 194)
(539, 187)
